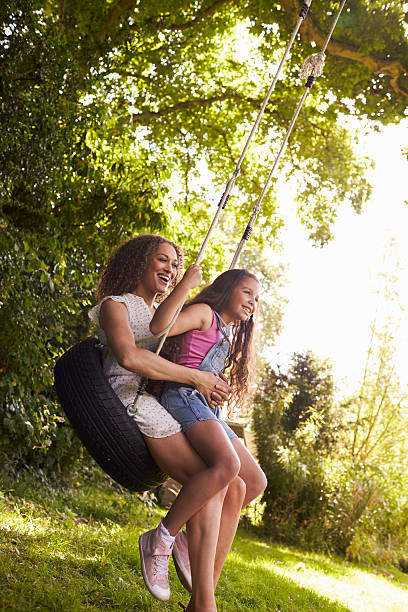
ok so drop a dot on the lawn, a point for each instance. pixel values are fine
(75, 547)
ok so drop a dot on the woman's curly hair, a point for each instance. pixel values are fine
(127, 263)
(240, 362)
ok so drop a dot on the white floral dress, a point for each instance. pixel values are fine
(152, 419)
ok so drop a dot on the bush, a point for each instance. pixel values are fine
(317, 496)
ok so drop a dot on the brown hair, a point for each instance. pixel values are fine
(241, 358)
(127, 263)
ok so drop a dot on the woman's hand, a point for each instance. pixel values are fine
(215, 389)
(192, 277)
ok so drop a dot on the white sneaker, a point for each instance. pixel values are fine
(154, 560)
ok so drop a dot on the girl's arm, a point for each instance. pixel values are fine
(114, 321)
(197, 316)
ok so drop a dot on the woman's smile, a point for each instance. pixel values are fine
(165, 278)
(163, 268)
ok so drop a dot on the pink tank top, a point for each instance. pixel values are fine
(197, 343)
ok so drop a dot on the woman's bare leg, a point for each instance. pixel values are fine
(177, 458)
(203, 535)
(204, 477)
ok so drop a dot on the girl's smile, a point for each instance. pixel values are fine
(243, 301)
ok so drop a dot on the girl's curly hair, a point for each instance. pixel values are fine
(241, 359)
(128, 261)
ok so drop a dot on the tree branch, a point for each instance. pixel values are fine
(310, 31)
(160, 20)
(147, 115)
(208, 12)
(116, 12)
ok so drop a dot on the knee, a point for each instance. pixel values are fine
(237, 491)
(262, 481)
(227, 470)
(259, 484)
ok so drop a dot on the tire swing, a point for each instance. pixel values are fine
(94, 410)
(100, 420)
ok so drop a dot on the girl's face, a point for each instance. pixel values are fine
(161, 269)
(243, 301)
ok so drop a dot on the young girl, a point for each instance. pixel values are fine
(207, 344)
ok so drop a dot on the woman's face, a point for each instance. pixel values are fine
(161, 269)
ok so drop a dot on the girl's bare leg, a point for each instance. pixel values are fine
(231, 511)
(250, 472)
(250, 483)
(242, 490)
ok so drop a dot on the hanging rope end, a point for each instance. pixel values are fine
(140, 391)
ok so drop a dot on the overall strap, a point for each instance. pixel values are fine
(221, 324)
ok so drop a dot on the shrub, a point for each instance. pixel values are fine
(318, 496)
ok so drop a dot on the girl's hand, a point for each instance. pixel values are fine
(215, 389)
(192, 277)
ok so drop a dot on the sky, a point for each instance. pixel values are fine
(332, 291)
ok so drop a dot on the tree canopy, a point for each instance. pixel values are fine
(122, 116)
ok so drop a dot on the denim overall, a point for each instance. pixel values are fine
(186, 404)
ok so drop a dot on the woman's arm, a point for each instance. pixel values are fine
(198, 316)
(114, 321)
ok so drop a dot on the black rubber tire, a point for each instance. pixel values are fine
(101, 421)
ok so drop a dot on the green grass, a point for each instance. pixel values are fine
(75, 548)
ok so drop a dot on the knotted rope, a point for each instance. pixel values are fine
(313, 65)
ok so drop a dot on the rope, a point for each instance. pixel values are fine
(230, 185)
(312, 68)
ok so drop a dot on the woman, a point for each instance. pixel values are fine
(137, 272)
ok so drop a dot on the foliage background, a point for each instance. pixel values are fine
(325, 491)
(123, 117)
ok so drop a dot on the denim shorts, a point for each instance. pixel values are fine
(188, 406)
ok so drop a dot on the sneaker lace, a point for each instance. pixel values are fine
(161, 565)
